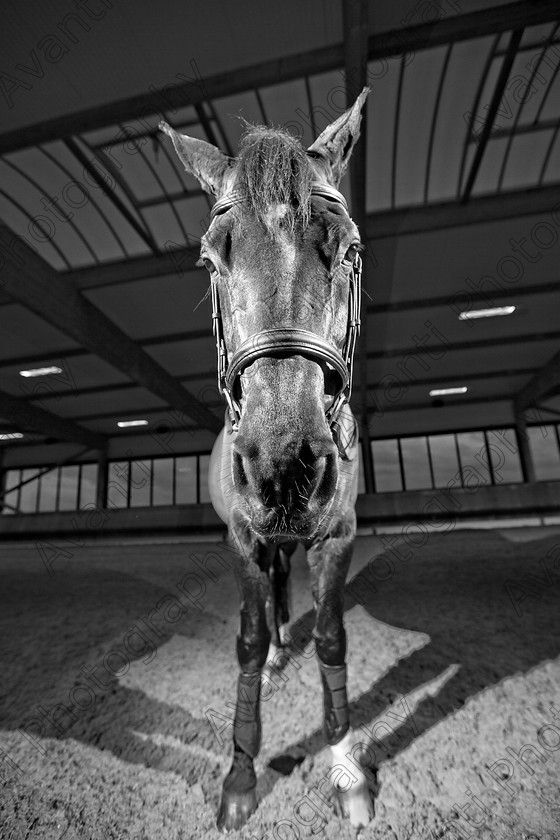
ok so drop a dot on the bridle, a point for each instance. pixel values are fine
(287, 341)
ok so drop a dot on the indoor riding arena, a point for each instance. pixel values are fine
(198, 635)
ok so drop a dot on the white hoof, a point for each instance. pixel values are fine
(274, 664)
(349, 783)
(356, 805)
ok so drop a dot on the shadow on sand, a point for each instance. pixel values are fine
(489, 606)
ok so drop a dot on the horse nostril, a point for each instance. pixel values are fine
(329, 478)
(268, 493)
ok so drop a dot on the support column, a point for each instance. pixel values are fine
(367, 459)
(2, 480)
(355, 19)
(102, 478)
(525, 456)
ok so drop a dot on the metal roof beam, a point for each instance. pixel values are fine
(431, 381)
(450, 214)
(542, 383)
(148, 106)
(458, 297)
(528, 338)
(447, 346)
(175, 261)
(32, 282)
(377, 226)
(497, 96)
(462, 402)
(31, 418)
(107, 390)
(197, 90)
(457, 28)
(142, 230)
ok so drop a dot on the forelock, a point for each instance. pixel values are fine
(273, 169)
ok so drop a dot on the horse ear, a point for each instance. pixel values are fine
(334, 145)
(206, 162)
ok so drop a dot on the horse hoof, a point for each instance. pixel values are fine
(356, 805)
(235, 809)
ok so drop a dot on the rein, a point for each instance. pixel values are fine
(287, 341)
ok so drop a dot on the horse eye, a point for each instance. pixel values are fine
(351, 253)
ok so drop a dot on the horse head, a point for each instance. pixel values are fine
(282, 253)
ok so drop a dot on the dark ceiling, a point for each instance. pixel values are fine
(456, 189)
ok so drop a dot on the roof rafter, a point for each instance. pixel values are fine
(450, 214)
(175, 261)
(372, 309)
(507, 64)
(455, 346)
(541, 384)
(194, 91)
(32, 418)
(432, 380)
(377, 226)
(32, 282)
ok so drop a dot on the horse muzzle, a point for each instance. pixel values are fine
(289, 496)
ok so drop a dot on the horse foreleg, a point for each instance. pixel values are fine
(239, 799)
(278, 614)
(329, 561)
(281, 577)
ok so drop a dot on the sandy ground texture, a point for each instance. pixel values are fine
(117, 672)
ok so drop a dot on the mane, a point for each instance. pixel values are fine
(273, 169)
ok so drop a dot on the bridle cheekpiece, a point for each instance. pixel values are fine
(287, 341)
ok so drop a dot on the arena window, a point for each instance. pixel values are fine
(418, 462)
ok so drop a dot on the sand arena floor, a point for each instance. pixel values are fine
(114, 720)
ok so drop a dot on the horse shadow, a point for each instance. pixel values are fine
(57, 629)
(491, 610)
(453, 590)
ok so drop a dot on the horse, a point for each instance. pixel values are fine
(284, 261)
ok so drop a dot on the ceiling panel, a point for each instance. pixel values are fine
(158, 307)
(381, 114)
(440, 325)
(197, 356)
(411, 396)
(23, 334)
(77, 373)
(165, 41)
(455, 261)
(81, 407)
(463, 74)
(420, 86)
(160, 428)
(447, 418)
(452, 364)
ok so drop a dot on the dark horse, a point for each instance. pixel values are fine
(283, 257)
